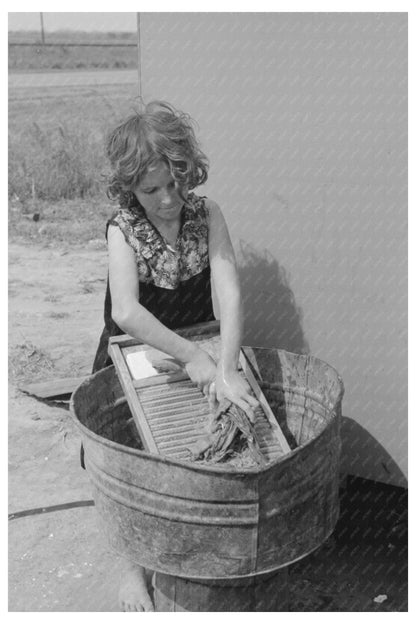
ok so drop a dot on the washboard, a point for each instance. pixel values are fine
(169, 410)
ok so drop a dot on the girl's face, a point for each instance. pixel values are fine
(158, 194)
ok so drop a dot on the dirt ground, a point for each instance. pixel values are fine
(58, 560)
(55, 312)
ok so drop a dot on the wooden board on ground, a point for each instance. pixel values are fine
(170, 412)
(53, 389)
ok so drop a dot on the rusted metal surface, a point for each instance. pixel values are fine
(202, 521)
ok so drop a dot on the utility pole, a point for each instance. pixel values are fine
(42, 28)
(139, 55)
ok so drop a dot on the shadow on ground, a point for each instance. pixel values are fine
(365, 558)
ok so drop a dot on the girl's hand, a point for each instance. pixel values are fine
(201, 369)
(231, 385)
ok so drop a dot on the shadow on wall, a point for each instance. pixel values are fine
(272, 318)
(363, 455)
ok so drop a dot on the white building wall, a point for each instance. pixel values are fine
(304, 119)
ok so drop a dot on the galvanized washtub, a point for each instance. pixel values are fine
(204, 521)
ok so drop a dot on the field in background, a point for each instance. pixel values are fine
(56, 158)
(72, 36)
(57, 214)
(71, 50)
(57, 163)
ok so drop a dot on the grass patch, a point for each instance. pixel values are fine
(27, 362)
(57, 140)
(66, 221)
(104, 55)
(54, 163)
(57, 165)
(39, 58)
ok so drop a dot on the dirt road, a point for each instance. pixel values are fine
(72, 78)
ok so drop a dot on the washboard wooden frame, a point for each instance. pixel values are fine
(135, 389)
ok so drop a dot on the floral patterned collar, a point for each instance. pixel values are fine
(157, 262)
(148, 234)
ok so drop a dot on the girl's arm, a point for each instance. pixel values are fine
(138, 322)
(229, 383)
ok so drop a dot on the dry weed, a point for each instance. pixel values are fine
(27, 362)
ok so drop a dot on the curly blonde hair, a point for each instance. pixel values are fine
(158, 133)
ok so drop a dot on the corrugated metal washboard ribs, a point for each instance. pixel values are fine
(169, 410)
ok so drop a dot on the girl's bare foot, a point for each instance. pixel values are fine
(133, 594)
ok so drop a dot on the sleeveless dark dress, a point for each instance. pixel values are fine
(174, 284)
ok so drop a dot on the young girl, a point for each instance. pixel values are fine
(165, 246)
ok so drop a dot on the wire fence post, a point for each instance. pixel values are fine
(42, 30)
(139, 56)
